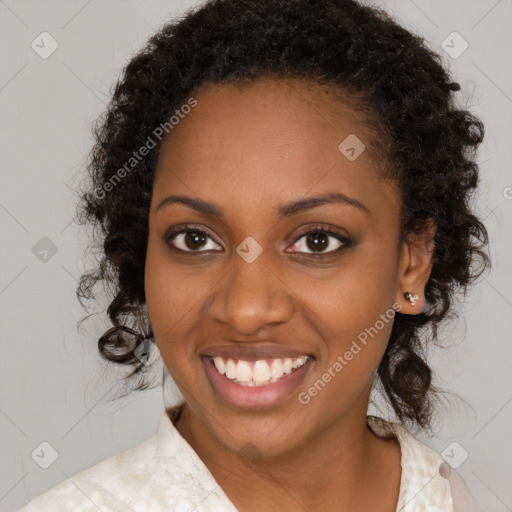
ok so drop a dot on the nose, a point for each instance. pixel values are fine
(251, 297)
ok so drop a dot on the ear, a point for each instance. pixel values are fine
(415, 266)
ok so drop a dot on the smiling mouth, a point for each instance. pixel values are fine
(260, 372)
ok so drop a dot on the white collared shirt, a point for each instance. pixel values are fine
(164, 473)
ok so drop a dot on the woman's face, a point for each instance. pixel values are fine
(263, 275)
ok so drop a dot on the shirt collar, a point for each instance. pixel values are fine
(420, 465)
(192, 480)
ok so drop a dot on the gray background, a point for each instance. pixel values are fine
(55, 388)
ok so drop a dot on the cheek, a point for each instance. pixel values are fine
(352, 348)
(172, 299)
(353, 297)
(353, 310)
(172, 291)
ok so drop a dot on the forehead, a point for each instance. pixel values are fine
(268, 139)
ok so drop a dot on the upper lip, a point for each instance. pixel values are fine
(252, 352)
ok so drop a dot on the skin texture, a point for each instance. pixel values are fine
(249, 149)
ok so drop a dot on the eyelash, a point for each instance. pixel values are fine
(317, 229)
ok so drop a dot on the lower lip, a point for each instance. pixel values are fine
(256, 397)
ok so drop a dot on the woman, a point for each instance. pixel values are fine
(283, 193)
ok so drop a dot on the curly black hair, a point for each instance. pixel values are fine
(356, 50)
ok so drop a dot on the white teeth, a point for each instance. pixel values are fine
(300, 361)
(249, 383)
(243, 371)
(219, 364)
(230, 369)
(260, 374)
(276, 369)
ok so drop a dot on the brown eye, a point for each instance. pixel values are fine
(194, 240)
(191, 240)
(318, 240)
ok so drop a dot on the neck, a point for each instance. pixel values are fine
(340, 468)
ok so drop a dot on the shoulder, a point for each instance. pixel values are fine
(427, 480)
(103, 486)
(162, 473)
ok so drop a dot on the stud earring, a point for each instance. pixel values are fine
(411, 297)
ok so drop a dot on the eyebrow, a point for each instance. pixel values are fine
(283, 210)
